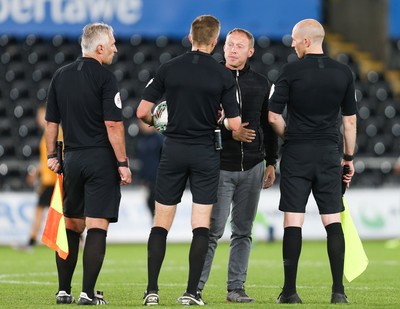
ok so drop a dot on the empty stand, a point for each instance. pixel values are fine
(28, 65)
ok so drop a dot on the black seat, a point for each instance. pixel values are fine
(42, 52)
(43, 70)
(67, 54)
(122, 70)
(7, 148)
(15, 71)
(24, 109)
(12, 54)
(13, 175)
(28, 148)
(28, 127)
(380, 145)
(5, 128)
(20, 89)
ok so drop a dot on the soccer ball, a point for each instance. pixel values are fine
(160, 116)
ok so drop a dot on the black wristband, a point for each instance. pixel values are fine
(123, 163)
(347, 157)
(53, 155)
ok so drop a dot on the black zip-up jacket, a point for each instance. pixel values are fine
(253, 91)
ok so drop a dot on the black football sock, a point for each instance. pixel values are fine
(93, 257)
(32, 241)
(336, 248)
(197, 256)
(66, 268)
(156, 247)
(291, 249)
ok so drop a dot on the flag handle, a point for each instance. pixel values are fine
(346, 170)
(59, 147)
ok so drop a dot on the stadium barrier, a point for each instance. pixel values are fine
(375, 212)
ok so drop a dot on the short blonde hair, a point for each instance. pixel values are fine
(205, 29)
(93, 35)
(247, 33)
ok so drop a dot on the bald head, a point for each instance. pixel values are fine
(308, 36)
(312, 29)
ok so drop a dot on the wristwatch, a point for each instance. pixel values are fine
(347, 157)
(123, 163)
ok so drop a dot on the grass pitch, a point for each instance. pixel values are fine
(29, 280)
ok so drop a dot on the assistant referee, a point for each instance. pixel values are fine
(315, 91)
(84, 97)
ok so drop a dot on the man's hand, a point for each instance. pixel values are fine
(220, 116)
(269, 177)
(53, 164)
(125, 175)
(347, 177)
(243, 134)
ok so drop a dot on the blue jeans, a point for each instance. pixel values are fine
(242, 191)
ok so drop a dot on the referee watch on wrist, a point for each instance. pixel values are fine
(123, 163)
(347, 157)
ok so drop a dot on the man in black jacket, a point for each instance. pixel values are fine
(243, 173)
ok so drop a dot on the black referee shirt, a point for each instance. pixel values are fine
(195, 85)
(82, 95)
(314, 89)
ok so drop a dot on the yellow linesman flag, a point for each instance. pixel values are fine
(355, 259)
(55, 234)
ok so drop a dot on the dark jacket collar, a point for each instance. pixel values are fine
(242, 71)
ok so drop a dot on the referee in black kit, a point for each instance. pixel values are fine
(315, 90)
(84, 97)
(195, 85)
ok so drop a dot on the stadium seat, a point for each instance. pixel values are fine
(13, 175)
(263, 42)
(171, 52)
(380, 90)
(371, 126)
(42, 52)
(5, 128)
(20, 89)
(393, 127)
(13, 53)
(379, 145)
(28, 127)
(28, 148)
(3, 107)
(67, 54)
(32, 40)
(368, 104)
(8, 149)
(123, 70)
(27, 106)
(129, 89)
(15, 71)
(43, 70)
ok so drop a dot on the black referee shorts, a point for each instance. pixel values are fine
(307, 168)
(91, 184)
(180, 162)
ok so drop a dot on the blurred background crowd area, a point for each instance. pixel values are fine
(361, 33)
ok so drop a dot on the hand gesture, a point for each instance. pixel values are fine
(243, 134)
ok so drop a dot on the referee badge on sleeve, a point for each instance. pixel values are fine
(117, 100)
